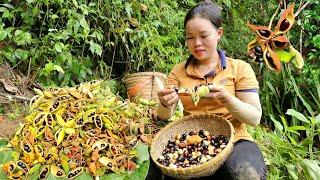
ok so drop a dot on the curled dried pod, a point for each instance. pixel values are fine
(38, 150)
(100, 145)
(107, 162)
(80, 122)
(23, 166)
(54, 106)
(26, 147)
(44, 172)
(98, 122)
(9, 167)
(75, 94)
(40, 131)
(40, 117)
(59, 135)
(57, 171)
(75, 172)
(49, 119)
(92, 132)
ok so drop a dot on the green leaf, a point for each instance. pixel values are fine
(142, 153)
(277, 124)
(84, 176)
(3, 142)
(292, 171)
(59, 46)
(21, 54)
(113, 176)
(5, 156)
(34, 172)
(297, 115)
(95, 48)
(284, 56)
(297, 128)
(49, 67)
(312, 168)
(3, 34)
(141, 172)
(318, 119)
(22, 38)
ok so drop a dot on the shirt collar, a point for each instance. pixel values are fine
(192, 71)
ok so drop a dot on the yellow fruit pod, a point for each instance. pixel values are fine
(59, 135)
(57, 172)
(297, 61)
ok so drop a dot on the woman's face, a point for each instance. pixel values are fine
(202, 38)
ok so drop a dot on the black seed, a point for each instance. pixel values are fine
(201, 133)
(59, 173)
(280, 44)
(285, 24)
(264, 33)
(258, 50)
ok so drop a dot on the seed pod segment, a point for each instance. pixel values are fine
(75, 172)
(286, 21)
(262, 31)
(44, 172)
(271, 59)
(57, 172)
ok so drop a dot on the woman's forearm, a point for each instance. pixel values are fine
(165, 112)
(245, 107)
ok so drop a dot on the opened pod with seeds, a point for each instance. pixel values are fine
(272, 47)
(70, 131)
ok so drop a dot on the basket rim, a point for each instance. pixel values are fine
(134, 75)
(200, 166)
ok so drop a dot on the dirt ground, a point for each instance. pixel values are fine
(15, 94)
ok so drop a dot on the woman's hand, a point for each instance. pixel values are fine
(220, 93)
(168, 97)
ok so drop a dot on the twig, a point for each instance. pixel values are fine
(113, 55)
(301, 8)
(8, 96)
(301, 31)
(274, 15)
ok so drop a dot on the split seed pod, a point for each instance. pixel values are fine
(286, 21)
(271, 59)
(262, 31)
(75, 172)
(44, 172)
(57, 172)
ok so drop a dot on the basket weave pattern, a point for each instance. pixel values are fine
(145, 84)
(216, 125)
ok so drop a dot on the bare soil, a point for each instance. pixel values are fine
(15, 95)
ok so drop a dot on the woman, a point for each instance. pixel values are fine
(233, 96)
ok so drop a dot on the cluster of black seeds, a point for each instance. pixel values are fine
(192, 149)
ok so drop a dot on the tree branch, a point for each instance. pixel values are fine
(301, 8)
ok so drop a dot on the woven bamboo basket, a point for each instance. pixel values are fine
(144, 84)
(216, 125)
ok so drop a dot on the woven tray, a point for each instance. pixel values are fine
(216, 125)
(144, 84)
